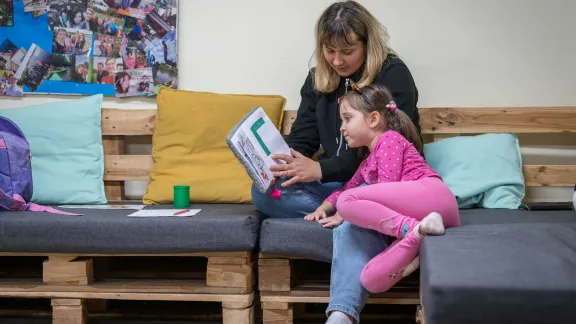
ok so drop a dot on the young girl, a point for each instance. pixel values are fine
(393, 191)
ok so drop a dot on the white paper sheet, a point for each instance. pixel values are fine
(110, 207)
(165, 213)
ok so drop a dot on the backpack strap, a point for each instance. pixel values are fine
(17, 203)
(10, 204)
(39, 208)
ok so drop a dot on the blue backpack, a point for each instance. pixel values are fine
(16, 171)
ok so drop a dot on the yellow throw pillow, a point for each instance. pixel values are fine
(189, 145)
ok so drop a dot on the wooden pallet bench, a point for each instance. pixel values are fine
(70, 280)
(281, 291)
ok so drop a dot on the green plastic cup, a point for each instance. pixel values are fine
(181, 197)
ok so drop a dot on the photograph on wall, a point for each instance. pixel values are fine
(17, 58)
(141, 60)
(119, 65)
(134, 83)
(34, 67)
(168, 10)
(82, 68)
(9, 85)
(165, 75)
(6, 13)
(135, 8)
(107, 45)
(72, 41)
(129, 58)
(62, 67)
(8, 47)
(104, 19)
(67, 14)
(7, 51)
(104, 70)
(35, 5)
(6, 62)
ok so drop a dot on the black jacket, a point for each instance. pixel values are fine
(318, 120)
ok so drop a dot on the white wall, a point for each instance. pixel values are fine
(463, 53)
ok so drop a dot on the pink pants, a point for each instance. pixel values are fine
(394, 209)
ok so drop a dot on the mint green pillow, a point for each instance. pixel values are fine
(482, 171)
(67, 154)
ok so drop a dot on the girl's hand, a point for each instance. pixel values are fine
(330, 222)
(316, 215)
(299, 167)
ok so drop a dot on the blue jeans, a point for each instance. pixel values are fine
(353, 246)
(297, 201)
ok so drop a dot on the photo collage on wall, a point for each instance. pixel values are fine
(130, 45)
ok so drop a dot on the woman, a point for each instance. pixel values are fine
(350, 44)
(61, 44)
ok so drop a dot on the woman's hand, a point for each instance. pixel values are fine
(316, 215)
(298, 167)
(329, 222)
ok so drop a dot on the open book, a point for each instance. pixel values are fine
(253, 140)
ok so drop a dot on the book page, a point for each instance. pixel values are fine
(258, 139)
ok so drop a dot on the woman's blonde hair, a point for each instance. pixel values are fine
(334, 28)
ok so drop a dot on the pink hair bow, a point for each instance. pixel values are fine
(391, 106)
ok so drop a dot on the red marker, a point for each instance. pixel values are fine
(181, 212)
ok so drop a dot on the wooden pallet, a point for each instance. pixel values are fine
(283, 286)
(71, 280)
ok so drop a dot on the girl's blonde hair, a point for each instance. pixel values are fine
(334, 28)
(376, 98)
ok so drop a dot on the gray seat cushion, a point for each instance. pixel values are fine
(216, 228)
(518, 273)
(309, 240)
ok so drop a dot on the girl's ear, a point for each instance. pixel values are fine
(375, 119)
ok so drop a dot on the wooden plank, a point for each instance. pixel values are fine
(237, 305)
(228, 260)
(432, 120)
(498, 120)
(278, 316)
(275, 275)
(134, 122)
(238, 316)
(549, 175)
(127, 167)
(128, 121)
(123, 286)
(323, 296)
(420, 319)
(114, 145)
(275, 256)
(69, 311)
(234, 275)
(268, 305)
(75, 272)
(236, 298)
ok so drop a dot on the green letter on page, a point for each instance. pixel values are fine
(254, 128)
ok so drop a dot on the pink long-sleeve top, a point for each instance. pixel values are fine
(393, 159)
